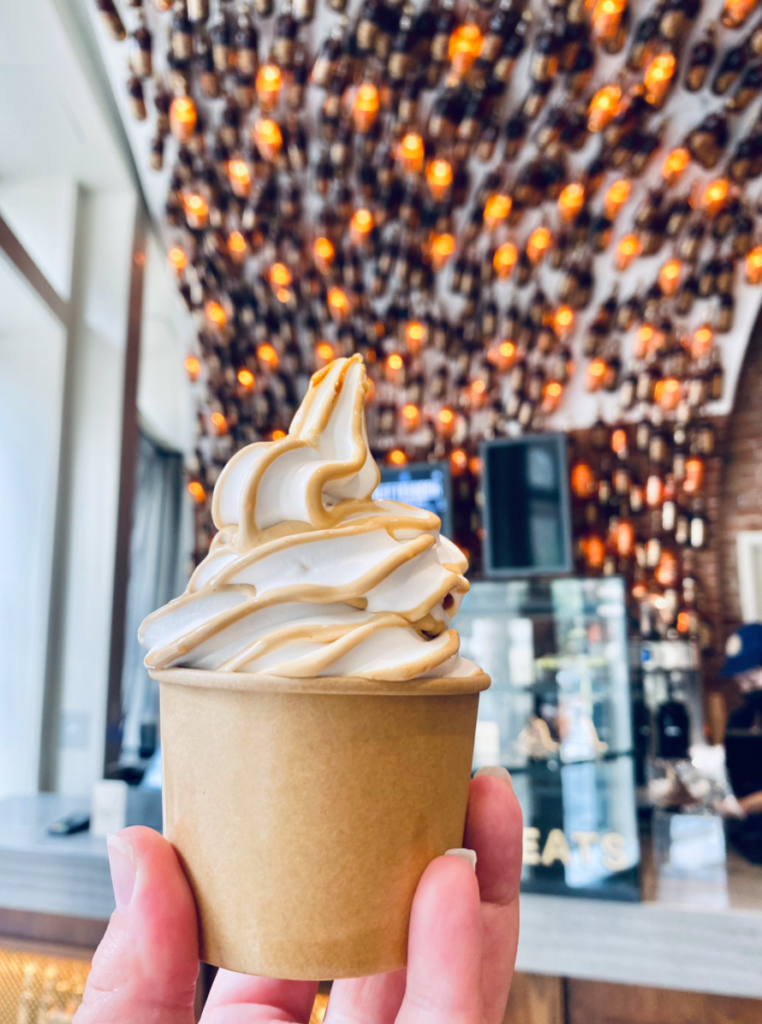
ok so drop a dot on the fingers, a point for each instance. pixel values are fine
(444, 953)
(144, 971)
(245, 999)
(374, 1000)
(494, 831)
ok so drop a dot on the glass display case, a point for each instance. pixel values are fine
(558, 716)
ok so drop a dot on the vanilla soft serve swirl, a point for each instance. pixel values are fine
(308, 576)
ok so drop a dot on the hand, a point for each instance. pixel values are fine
(463, 935)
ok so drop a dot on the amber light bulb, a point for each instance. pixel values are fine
(445, 422)
(478, 391)
(280, 275)
(182, 118)
(628, 248)
(237, 247)
(701, 342)
(582, 480)
(603, 107)
(458, 461)
(196, 491)
(675, 165)
(464, 47)
(616, 196)
(563, 321)
(277, 435)
(268, 85)
(196, 211)
(411, 152)
(365, 107)
(394, 367)
(442, 247)
(619, 441)
(267, 355)
(551, 396)
(624, 537)
(360, 226)
(538, 244)
(245, 378)
(219, 422)
(192, 367)
(714, 196)
(644, 340)
(504, 259)
(324, 254)
(415, 336)
(396, 457)
(439, 178)
(596, 371)
(694, 475)
(658, 78)
(606, 18)
(504, 355)
(177, 259)
(324, 353)
(215, 314)
(496, 209)
(667, 393)
(754, 265)
(735, 12)
(239, 177)
(594, 550)
(338, 303)
(571, 201)
(411, 416)
(669, 277)
(268, 138)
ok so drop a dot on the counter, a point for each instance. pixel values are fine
(58, 890)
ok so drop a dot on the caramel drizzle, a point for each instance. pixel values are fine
(352, 516)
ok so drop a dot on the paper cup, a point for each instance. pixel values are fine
(305, 811)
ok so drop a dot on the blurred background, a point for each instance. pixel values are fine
(540, 223)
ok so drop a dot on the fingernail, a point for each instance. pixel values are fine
(496, 771)
(121, 859)
(467, 855)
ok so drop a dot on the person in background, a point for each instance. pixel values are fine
(743, 738)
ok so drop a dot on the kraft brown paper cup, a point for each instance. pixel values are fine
(305, 811)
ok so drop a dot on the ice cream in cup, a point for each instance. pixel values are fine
(317, 720)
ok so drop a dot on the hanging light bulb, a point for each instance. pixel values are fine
(619, 442)
(394, 368)
(582, 480)
(267, 355)
(215, 314)
(504, 259)
(268, 138)
(442, 247)
(504, 355)
(563, 321)
(538, 244)
(245, 378)
(182, 118)
(239, 177)
(196, 491)
(603, 107)
(192, 367)
(280, 276)
(628, 248)
(196, 211)
(701, 342)
(606, 18)
(496, 209)
(360, 226)
(624, 538)
(658, 78)
(411, 152)
(667, 393)
(596, 371)
(694, 475)
(594, 550)
(411, 416)
(571, 201)
(396, 457)
(277, 435)
(464, 47)
(338, 303)
(445, 421)
(675, 164)
(616, 196)
(177, 259)
(714, 196)
(237, 247)
(551, 396)
(219, 422)
(754, 265)
(669, 277)
(439, 178)
(735, 12)
(268, 85)
(324, 254)
(458, 461)
(324, 353)
(365, 107)
(415, 336)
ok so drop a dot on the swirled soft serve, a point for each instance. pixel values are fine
(308, 576)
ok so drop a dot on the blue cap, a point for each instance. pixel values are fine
(743, 650)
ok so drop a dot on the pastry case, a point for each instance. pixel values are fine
(558, 717)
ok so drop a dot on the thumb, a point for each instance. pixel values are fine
(144, 971)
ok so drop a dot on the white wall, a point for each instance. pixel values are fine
(31, 381)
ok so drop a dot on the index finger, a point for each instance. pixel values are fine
(246, 999)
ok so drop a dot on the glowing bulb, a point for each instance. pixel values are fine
(324, 353)
(714, 196)
(394, 365)
(415, 336)
(360, 226)
(701, 342)
(219, 422)
(504, 259)
(658, 78)
(669, 276)
(571, 201)
(397, 457)
(411, 153)
(606, 18)
(551, 396)
(324, 254)
(268, 138)
(563, 321)
(365, 107)
(182, 118)
(215, 314)
(338, 303)
(196, 211)
(616, 196)
(538, 244)
(267, 354)
(268, 85)
(603, 107)
(237, 246)
(442, 248)
(496, 209)
(644, 340)
(278, 435)
(582, 480)
(619, 441)
(197, 492)
(445, 421)
(280, 275)
(439, 178)
(239, 177)
(504, 355)
(694, 475)
(411, 416)
(458, 461)
(675, 164)
(245, 378)
(628, 248)
(193, 367)
(596, 371)
(754, 265)
(464, 47)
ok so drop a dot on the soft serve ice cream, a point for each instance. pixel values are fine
(308, 575)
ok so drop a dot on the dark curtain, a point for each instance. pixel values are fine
(155, 577)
